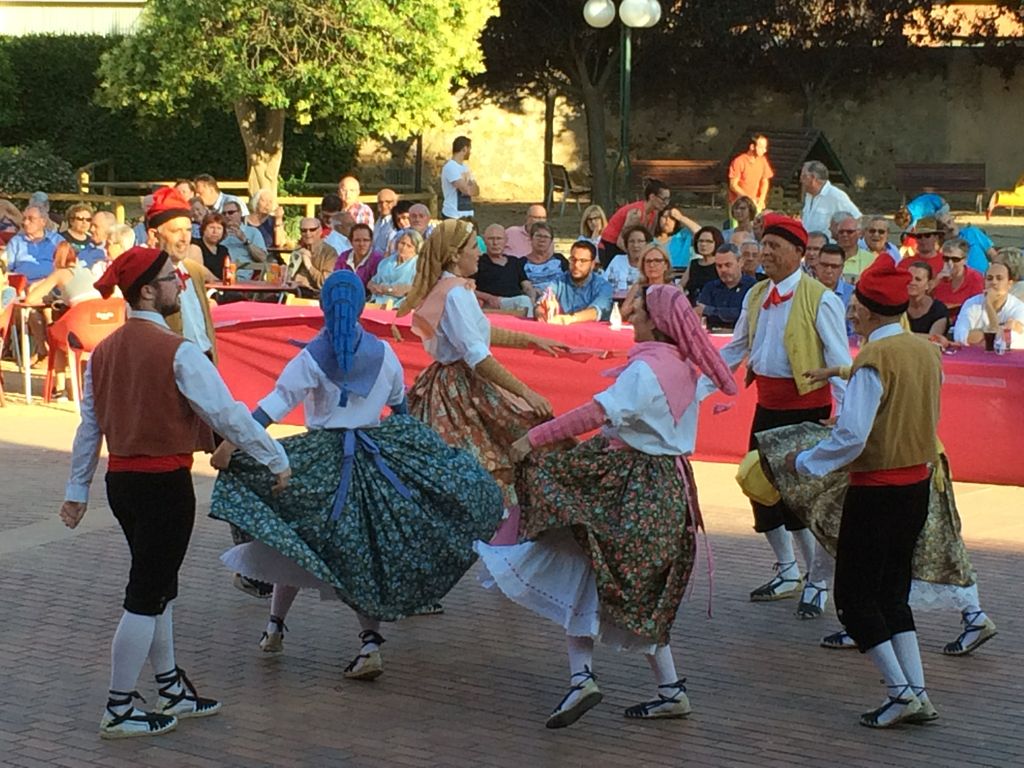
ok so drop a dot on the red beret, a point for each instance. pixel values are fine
(137, 265)
(882, 287)
(786, 228)
(168, 203)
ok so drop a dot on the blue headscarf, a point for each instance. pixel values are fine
(348, 356)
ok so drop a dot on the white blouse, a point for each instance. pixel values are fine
(303, 381)
(638, 414)
(464, 332)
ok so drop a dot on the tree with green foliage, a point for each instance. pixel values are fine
(348, 69)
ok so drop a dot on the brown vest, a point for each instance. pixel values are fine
(138, 406)
(903, 434)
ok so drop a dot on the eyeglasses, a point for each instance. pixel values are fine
(541, 237)
(845, 231)
(655, 261)
(309, 229)
(878, 231)
(593, 218)
(231, 211)
(953, 259)
(666, 198)
(574, 260)
(823, 265)
(81, 218)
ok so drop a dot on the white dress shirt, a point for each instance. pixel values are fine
(464, 332)
(338, 241)
(819, 209)
(973, 317)
(768, 354)
(193, 321)
(302, 381)
(850, 434)
(198, 381)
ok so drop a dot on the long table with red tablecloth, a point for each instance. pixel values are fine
(982, 397)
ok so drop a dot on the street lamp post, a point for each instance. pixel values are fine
(634, 14)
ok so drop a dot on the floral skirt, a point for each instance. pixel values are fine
(473, 414)
(940, 556)
(386, 554)
(629, 515)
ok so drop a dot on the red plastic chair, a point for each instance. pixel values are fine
(77, 333)
(18, 282)
(6, 319)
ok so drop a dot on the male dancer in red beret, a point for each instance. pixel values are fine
(789, 325)
(885, 437)
(152, 394)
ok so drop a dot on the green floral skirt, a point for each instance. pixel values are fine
(388, 553)
(629, 513)
(940, 556)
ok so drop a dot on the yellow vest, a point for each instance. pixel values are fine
(903, 434)
(803, 346)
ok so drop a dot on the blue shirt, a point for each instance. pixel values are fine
(845, 291)
(595, 292)
(392, 272)
(33, 259)
(722, 305)
(680, 248)
(928, 204)
(980, 243)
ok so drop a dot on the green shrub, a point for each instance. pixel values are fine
(34, 167)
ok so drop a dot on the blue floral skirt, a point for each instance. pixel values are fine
(386, 555)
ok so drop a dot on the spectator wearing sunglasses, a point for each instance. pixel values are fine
(957, 282)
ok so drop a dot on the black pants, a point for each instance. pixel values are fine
(770, 518)
(156, 512)
(874, 555)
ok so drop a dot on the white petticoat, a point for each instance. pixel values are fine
(552, 577)
(926, 596)
(255, 560)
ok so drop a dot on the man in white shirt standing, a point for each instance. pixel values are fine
(822, 200)
(457, 183)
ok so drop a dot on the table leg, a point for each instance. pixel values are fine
(26, 356)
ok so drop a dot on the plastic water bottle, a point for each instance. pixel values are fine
(550, 303)
(615, 319)
(1000, 345)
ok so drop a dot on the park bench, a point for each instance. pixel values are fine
(941, 178)
(699, 176)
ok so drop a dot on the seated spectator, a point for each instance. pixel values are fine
(349, 192)
(876, 237)
(330, 204)
(10, 216)
(385, 225)
(721, 300)
(501, 282)
(980, 249)
(99, 234)
(543, 266)
(645, 212)
(655, 269)
(750, 259)
(923, 243)
(815, 242)
(395, 273)
(741, 213)
(399, 222)
(341, 227)
(701, 270)
(312, 261)
(926, 315)
(674, 233)
(74, 239)
(829, 272)
(31, 251)
(41, 201)
(517, 239)
(994, 310)
(580, 295)
(244, 242)
(208, 249)
(1013, 258)
(847, 231)
(592, 224)
(624, 269)
(207, 190)
(7, 292)
(268, 217)
(957, 282)
(361, 258)
(419, 219)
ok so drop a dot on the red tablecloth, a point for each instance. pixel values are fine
(982, 398)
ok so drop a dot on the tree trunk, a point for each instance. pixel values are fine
(550, 94)
(597, 147)
(262, 132)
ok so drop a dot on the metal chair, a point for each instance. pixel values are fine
(558, 180)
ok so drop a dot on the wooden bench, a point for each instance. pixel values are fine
(700, 176)
(941, 178)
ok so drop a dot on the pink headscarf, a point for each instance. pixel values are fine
(671, 313)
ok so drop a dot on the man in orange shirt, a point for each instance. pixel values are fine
(750, 174)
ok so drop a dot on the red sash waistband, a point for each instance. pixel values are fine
(150, 464)
(780, 394)
(898, 476)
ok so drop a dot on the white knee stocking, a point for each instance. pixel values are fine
(129, 649)
(781, 542)
(663, 665)
(161, 652)
(581, 653)
(908, 653)
(884, 658)
(280, 603)
(805, 540)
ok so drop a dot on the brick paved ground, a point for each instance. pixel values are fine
(471, 687)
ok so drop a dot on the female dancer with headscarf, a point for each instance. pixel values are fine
(382, 514)
(466, 395)
(613, 520)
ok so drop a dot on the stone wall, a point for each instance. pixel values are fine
(967, 114)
